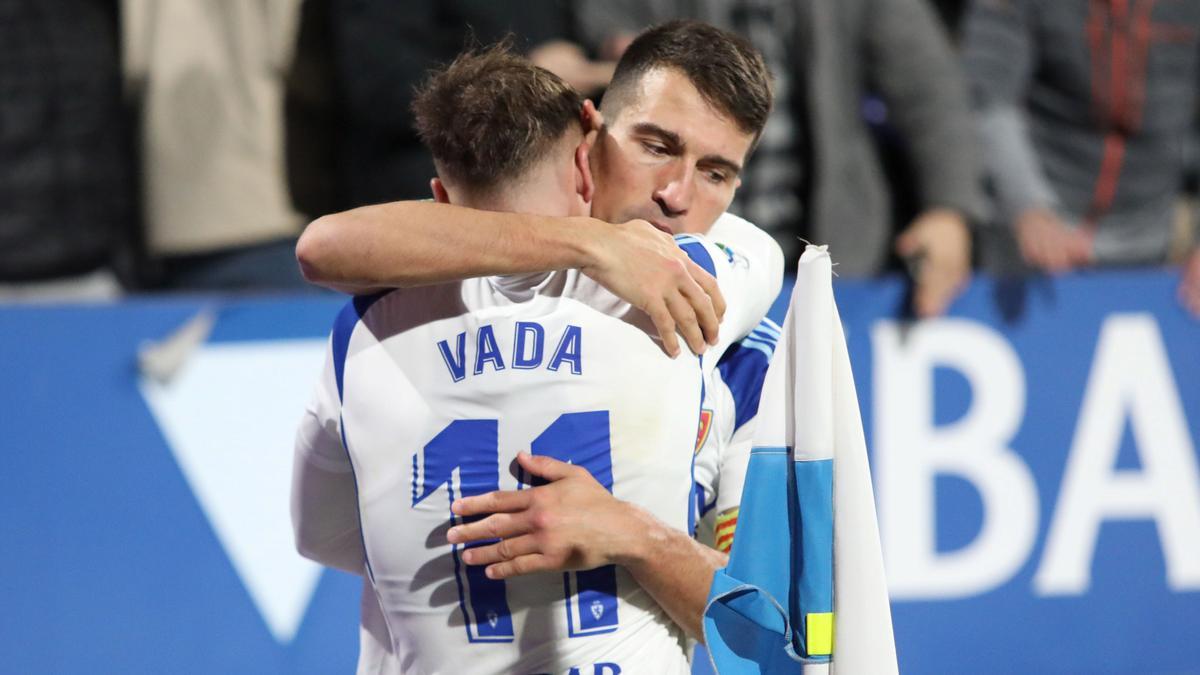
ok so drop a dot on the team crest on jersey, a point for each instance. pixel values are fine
(597, 609)
(706, 416)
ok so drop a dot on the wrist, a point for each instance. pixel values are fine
(1035, 212)
(647, 537)
(585, 239)
(946, 212)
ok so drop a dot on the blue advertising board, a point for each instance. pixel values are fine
(1034, 456)
(1035, 466)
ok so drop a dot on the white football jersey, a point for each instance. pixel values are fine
(434, 390)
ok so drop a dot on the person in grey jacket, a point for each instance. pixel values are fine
(1086, 110)
(817, 172)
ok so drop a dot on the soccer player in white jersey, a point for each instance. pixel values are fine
(654, 160)
(583, 384)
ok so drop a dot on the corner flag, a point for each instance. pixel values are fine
(805, 591)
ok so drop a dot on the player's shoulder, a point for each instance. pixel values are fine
(729, 224)
(354, 311)
(397, 310)
(743, 368)
(742, 237)
(704, 252)
(754, 351)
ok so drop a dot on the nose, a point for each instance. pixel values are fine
(675, 192)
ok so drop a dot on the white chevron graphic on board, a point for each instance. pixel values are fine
(229, 415)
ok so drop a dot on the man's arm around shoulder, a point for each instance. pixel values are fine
(416, 243)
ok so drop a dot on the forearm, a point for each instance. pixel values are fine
(675, 569)
(415, 243)
(999, 53)
(1019, 181)
(911, 61)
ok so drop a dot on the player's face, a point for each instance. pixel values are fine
(668, 157)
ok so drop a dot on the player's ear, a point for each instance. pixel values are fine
(593, 121)
(439, 191)
(584, 186)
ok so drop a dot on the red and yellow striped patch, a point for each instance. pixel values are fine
(726, 524)
(706, 417)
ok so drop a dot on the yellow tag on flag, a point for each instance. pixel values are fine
(820, 633)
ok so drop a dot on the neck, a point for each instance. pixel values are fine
(537, 192)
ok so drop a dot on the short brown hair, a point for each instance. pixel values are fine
(725, 68)
(491, 114)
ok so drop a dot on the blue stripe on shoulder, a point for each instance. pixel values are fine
(343, 328)
(743, 367)
(766, 348)
(696, 251)
(768, 327)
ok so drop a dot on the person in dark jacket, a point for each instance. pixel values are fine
(66, 196)
(381, 50)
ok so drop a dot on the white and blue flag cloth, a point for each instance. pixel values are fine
(804, 590)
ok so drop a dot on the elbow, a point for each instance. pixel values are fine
(312, 250)
(302, 538)
(311, 546)
(306, 549)
(342, 551)
(309, 537)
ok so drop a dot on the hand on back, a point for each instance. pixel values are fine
(570, 522)
(645, 267)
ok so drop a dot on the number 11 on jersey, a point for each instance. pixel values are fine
(472, 448)
(583, 439)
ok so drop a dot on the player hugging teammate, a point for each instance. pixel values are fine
(501, 446)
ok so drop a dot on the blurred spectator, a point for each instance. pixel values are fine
(817, 172)
(951, 13)
(382, 48)
(571, 62)
(65, 174)
(311, 133)
(208, 77)
(1086, 110)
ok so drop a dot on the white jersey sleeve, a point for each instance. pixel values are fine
(757, 258)
(742, 370)
(324, 508)
(318, 439)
